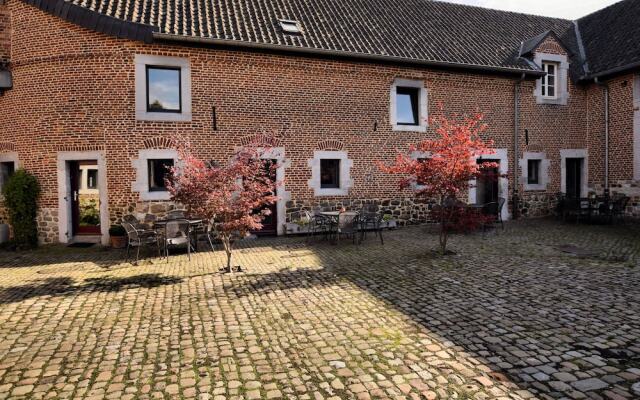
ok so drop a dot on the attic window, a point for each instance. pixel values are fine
(289, 26)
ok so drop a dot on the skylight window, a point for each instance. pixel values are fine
(289, 26)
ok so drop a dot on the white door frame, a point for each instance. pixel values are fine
(277, 153)
(574, 153)
(64, 185)
(503, 181)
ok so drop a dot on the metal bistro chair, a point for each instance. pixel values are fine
(176, 214)
(317, 223)
(371, 220)
(494, 210)
(177, 234)
(139, 238)
(211, 233)
(618, 208)
(347, 225)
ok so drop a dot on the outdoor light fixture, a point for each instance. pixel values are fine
(526, 137)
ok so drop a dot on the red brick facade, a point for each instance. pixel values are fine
(5, 33)
(74, 90)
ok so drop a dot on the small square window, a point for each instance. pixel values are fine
(159, 171)
(407, 106)
(533, 172)
(164, 92)
(329, 174)
(92, 179)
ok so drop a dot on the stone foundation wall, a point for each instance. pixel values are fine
(533, 205)
(47, 220)
(631, 189)
(405, 210)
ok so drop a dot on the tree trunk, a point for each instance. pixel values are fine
(226, 241)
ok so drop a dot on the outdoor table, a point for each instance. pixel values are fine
(334, 217)
(162, 224)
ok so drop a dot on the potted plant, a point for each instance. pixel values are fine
(118, 237)
(388, 221)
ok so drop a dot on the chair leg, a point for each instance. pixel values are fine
(138, 254)
(380, 234)
(128, 248)
(210, 242)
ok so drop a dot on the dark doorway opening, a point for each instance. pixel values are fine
(84, 197)
(487, 189)
(574, 177)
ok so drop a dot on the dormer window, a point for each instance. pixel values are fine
(549, 81)
(289, 26)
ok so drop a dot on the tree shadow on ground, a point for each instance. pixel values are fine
(524, 315)
(65, 286)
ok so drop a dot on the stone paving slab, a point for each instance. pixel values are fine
(510, 316)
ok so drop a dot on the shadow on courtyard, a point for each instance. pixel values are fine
(518, 313)
(65, 286)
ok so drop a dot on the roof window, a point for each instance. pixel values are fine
(289, 26)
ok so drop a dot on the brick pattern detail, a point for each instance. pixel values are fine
(7, 146)
(158, 143)
(551, 46)
(87, 102)
(260, 140)
(335, 145)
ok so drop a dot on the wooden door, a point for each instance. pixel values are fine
(574, 177)
(84, 197)
(270, 222)
(487, 188)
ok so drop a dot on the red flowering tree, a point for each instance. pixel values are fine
(234, 195)
(448, 165)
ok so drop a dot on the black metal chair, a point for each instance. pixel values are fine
(177, 234)
(140, 238)
(347, 224)
(317, 223)
(176, 214)
(618, 208)
(371, 220)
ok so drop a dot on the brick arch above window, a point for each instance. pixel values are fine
(158, 142)
(261, 140)
(331, 144)
(7, 146)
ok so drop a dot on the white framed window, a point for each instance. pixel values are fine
(534, 167)
(163, 88)
(330, 173)
(408, 105)
(420, 156)
(549, 81)
(152, 167)
(553, 87)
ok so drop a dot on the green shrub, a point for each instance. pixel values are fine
(21, 193)
(117, 230)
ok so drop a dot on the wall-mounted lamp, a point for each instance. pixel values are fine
(526, 137)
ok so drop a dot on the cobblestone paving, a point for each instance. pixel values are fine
(510, 316)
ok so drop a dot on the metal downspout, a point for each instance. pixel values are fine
(516, 131)
(606, 137)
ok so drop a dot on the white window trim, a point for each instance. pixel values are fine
(544, 81)
(562, 81)
(543, 173)
(345, 173)
(574, 153)
(636, 127)
(8, 157)
(141, 62)
(503, 181)
(141, 165)
(423, 109)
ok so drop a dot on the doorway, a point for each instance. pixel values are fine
(270, 222)
(573, 182)
(487, 188)
(84, 197)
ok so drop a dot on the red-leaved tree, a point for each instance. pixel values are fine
(448, 166)
(233, 195)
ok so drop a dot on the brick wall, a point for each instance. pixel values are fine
(5, 33)
(87, 103)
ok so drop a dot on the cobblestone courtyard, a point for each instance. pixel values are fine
(511, 315)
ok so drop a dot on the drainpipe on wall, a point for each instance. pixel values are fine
(516, 131)
(606, 138)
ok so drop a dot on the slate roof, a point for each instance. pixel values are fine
(411, 30)
(611, 36)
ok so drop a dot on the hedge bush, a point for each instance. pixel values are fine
(21, 193)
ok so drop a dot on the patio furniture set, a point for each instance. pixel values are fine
(176, 230)
(336, 225)
(591, 209)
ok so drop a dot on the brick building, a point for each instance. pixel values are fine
(97, 89)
